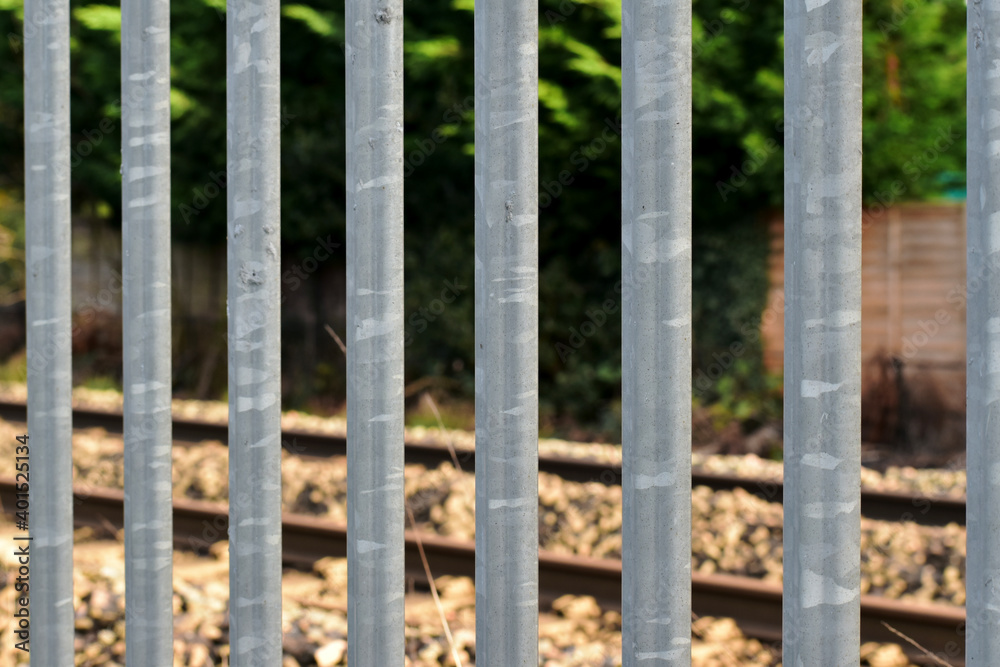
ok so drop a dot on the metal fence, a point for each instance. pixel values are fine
(822, 360)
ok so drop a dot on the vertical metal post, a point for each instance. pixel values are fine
(375, 332)
(253, 113)
(656, 333)
(822, 332)
(506, 273)
(146, 324)
(50, 380)
(983, 335)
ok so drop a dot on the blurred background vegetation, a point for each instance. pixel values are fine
(914, 92)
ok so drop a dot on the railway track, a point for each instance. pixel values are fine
(882, 505)
(753, 604)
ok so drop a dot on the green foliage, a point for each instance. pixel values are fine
(744, 395)
(914, 98)
(732, 291)
(12, 268)
(102, 382)
(14, 369)
(914, 62)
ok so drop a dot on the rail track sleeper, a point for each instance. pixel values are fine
(882, 505)
(755, 605)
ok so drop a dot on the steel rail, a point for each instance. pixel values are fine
(755, 605)
(882, 505)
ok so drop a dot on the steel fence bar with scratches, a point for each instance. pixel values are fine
(145, 62)
(821, 616)
(47, 246)
(506, 339)
(822, 525)
(656, 333)
(983, 334)
(375, 501)
(254, 267)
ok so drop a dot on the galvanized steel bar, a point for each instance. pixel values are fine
(506, 275)
(822, 332)
(983, 336)
(374, 31)
(254, 267)
(50, 381)
(146, 323)
(656, 333)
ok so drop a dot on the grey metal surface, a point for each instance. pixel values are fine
(506, 277)
(254, 266)
(47, 245)
(822, 332)
(983, 334)
(147, 339)
(375, 332)
(656, 333)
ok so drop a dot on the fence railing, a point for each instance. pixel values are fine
(821, 553)
(822, 331)
(146, 320)
(375, 580)
(47, 260)
(982, 578)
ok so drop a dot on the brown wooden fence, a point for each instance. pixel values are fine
(913, 322)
